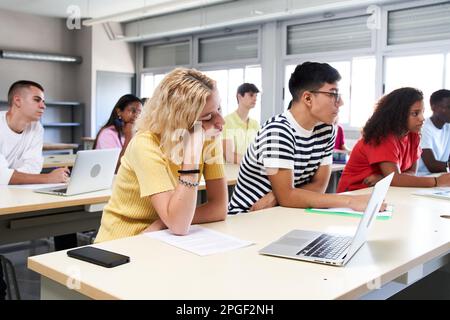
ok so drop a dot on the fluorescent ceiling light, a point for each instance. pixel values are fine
(21, 55)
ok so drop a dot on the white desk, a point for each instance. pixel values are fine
(27, 215)
(59, 147)
(414, 242)
(59, 160)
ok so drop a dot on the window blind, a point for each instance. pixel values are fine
(428, 23)
(331, 35)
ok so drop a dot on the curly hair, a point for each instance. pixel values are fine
(175, 106)
(391, 115)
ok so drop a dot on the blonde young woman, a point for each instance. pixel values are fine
(156, 185)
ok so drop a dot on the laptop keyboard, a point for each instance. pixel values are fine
(326, 246)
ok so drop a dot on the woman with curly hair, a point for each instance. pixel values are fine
(178, 141)
(390, 143)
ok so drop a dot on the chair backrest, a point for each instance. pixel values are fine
(10, 278)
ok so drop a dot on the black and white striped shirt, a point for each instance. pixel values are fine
(281, 143)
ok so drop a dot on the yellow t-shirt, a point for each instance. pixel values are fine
(145, 171)
(240, 132)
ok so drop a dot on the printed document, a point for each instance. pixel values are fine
(200, 240)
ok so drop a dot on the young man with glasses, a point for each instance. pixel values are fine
(289, 162)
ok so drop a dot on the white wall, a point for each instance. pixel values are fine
(110, 55)
(84, 86)
(61, 81)
(26, 32)
(107, 55)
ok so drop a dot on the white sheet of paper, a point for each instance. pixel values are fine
(36, 186)
(386, 213)
(440, 192)
(201, 241)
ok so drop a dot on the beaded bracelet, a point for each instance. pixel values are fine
(187, 183)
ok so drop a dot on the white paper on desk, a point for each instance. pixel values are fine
(386, 213)
(37, 186)
(201, 241)
(439, 192)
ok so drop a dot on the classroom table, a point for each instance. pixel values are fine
(399, 251)
(27, 215)
(88, 143)
(59, 147)
(58, 160)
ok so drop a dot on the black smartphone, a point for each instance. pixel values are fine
(98, 256)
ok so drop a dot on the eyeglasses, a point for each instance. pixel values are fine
(337, 96)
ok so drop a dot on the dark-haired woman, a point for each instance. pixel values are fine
(118, 130)
(390, 143)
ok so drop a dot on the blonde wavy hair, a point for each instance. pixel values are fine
(177, 103)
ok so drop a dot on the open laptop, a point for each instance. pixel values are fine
(327, 248)
(93, 170)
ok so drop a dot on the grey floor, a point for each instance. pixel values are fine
(28, 281)
(17, 253)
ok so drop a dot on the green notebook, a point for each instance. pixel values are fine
(385, 215)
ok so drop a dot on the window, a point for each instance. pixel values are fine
(447, 72)
(424, 72)
(227, 82)
(331, 35)
(363, 95)
(357, 87)
(170, 54)
(149, 83)
(415, 25)
(237, 46)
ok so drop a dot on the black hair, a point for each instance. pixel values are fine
(391, 115)
(311, 76)
(246, 87)
(437, 96)
(289, 105)
(19, 85)
(113, 120)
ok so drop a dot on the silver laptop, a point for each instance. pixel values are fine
(327, 248)
(93, 170)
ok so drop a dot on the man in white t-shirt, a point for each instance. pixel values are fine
(435, 140)
(21, 137)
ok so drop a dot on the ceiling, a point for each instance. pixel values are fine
(88, 8)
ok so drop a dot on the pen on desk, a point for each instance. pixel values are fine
(446, 216)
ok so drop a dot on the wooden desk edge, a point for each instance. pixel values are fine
(54, 205)
(84, 289)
